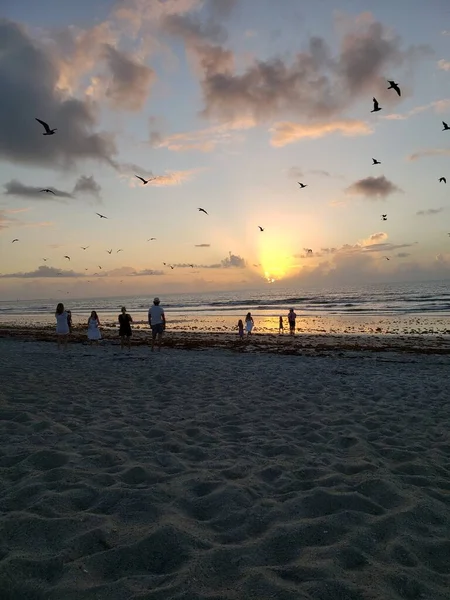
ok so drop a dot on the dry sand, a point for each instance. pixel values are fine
(216, 475)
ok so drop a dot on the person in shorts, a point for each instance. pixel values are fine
(157, 322)
(291, 320)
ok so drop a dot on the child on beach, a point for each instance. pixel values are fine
(69, 320)
(241, 328)
(62, 326)
(93, 333)
(249, 323)
(125, 321)
(281, 326)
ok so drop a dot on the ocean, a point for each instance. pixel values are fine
(365, 307)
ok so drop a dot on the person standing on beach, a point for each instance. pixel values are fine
(249, 323)
(125, 321)
(62, 326)
(291, 319)
(94, 334)
(280, 326)
(69, 320)
(241, 328)
(157, 322)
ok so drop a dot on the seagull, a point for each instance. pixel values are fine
(68, 257)
(120, 250)
(48, 191)
(171, 266)
(375, 162)
(191, 266)
(151, 239)
(84, 247)
(261, 228)
(203, 210)
(165, 264)
(16, 240)
(308, 250)
(144, 181)
(99, 266)
(442, 179)
(109, 251)
(101, 216)
(45, 259)
(86, 269)
(446, 127)
(386, 257)
(384, 217)
(302, 185)
(376, 106)
(48, 131)
(394, 86)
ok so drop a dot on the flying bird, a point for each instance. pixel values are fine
(308, 250)
(171, 266)
(386, 257)
(376, 106)
(260, 228)
(16, 240)
(375, 162)
(99, 266)
(446, 127)
(119, 250)
(109, 251)
(302, 185)
(84, 247)
(384, 217)
(48, 191)
(101, 216)
(45, 259)
(144, 181)
(442, 180)
(68, 257)
(48, 131)
(203, 210)
(394, 86)
(151, 239)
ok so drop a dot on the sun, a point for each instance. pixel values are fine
(275, 260)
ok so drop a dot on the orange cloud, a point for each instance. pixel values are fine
(287, 132)
(205, 140)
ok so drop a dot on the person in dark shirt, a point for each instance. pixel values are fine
(125, 332)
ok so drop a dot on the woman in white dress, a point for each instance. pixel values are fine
(62, 326)
(93, 333)
(249, 323)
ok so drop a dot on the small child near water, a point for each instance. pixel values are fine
(281, 326)
(241, 328)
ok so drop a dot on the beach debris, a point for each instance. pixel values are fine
(101, 216)
(376, 106)
(394, 86)
(145, 181)
(49, 191)
(446, 127)
(202, 210)
(375, 162)
(302, 185)
(442, 180)
(48, 131)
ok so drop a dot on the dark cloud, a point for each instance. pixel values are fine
(314, 85)
(16, 188)
(43, 272)
(28, 80)
(233, 260)
(129, 82)
(373, 187)
(221, 9)
(429, 212)
(202, 245)
(87, 185)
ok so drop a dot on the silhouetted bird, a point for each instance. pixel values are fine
(151, 239)
(48, 131)
(308, 250)
(101, 216)
(394, 86)
(48, 191)
(386, 257)
(302, 185)
(45, 259)
(446, 127)
(203, 210)
(442, 180)
(261, 228)
(84, 247)
(68, 257)
(119, 250)
(375, 162)
(384, 217)
(109, 251)
(144, 181)
(16, 240)
(376, 106)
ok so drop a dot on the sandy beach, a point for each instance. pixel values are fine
(223, 475)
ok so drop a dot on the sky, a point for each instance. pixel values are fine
(225, 105)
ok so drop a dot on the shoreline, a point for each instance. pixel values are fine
(273, 343)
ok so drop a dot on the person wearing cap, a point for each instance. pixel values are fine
(157, 322)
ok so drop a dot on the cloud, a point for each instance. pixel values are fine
(146, 273)
(429, 212)
(439, 106)
(373, 187)
(128, 84)
(373, 244)
(203, 140)
(284, 133)
(6, 221)
(233, 260)
(295, 173)
(375, 237)
(174, 177)
(314, 85)
(29, 71)
(87, 185)
(202, 245)
(444, 65)
(130, 170)
(16, 188)
(403, 254)
(429, 152)
(43, 271)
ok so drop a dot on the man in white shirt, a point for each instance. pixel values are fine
(157, 322)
